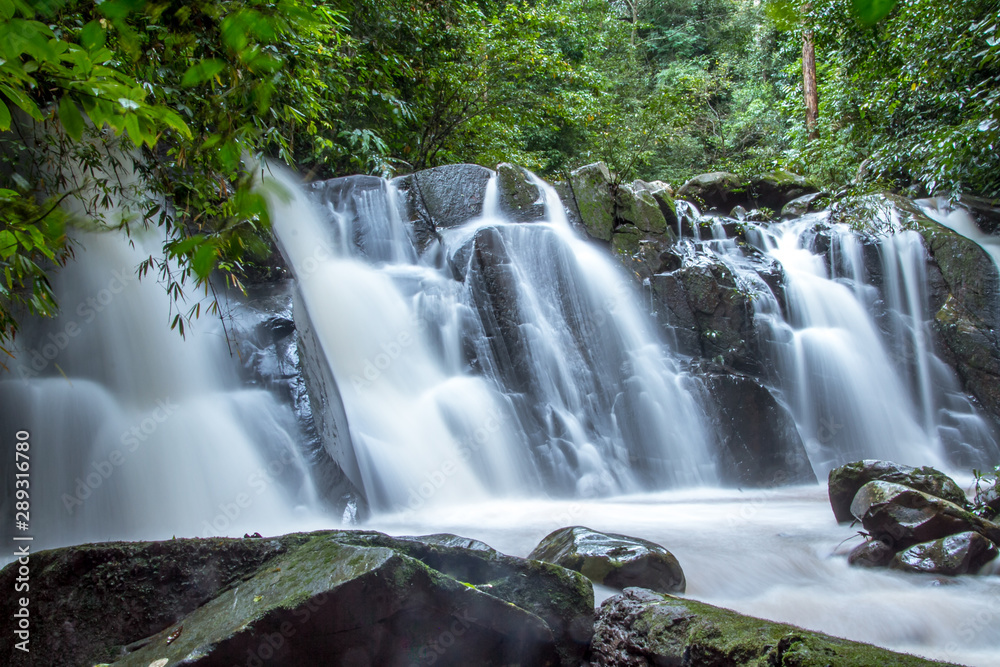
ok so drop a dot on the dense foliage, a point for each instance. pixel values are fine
(156, 113)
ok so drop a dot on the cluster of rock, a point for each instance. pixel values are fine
(917, 519)
(365, 598)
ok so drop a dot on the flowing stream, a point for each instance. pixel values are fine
(506, 382)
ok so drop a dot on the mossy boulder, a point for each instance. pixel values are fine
(719, 190)
(594, 199)
(343, 597)
(618, 561)
(963, 553)
(520, 199)
(902, 517)
(844, 482)
(639, 208)
(641, 628)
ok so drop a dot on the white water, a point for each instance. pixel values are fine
(136, 433)
(576, 394)
(775, 554)
(604, 410)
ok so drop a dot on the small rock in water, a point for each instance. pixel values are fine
(875, 553)
(845, 481)
(964, 553)
(617, 561)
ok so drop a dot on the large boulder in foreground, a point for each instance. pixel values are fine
(902, 517)
(845, 481)
(617, 561)
(963, 553)
(338, 597)
(641, 628)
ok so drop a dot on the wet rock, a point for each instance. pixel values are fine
(612, 560)
(974, 352)
(640, 628)
(986, 212)
(263, 334)
(963, 553)
(719, 191)
(873, 553)
(844, 482)
(443, 197)
(759, 445)
(902, 517)
(568, 199)
(338, 597)
(639, 208)
(594, 199)
(800, 205)
(520, 198)
(722, 191)
(710, 315)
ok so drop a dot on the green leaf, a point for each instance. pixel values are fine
(8, 244)
(204, 71)
(204, 259)
(870, 12)
(92, 36)
(4, 117)
(71, 118)
(23, 101)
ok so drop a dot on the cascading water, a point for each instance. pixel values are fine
(136, 433)
(855, 361)
(535, 369)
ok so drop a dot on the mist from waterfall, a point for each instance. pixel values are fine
(137, 433)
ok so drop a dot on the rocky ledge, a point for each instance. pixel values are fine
(365, 598)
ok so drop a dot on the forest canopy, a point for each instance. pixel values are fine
(152, 113)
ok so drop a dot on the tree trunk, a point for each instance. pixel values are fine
(809, 82)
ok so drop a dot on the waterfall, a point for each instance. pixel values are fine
(136, 433)
(513, 359)
(855, 360)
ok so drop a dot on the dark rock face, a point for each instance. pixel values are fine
(710, 315)
(640, 628)
(902, 517)
(442, 197)
(874, 553)
(333, 597)
(722, 191)
(264, 334)
(613, 560)
(520, 198)
(986, 212)
(845, 481)
(759, 445)
(963, 553)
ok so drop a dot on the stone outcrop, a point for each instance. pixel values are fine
(963, 553)
(336, 597)
(519, 198)
(722, 191)
(618, 561)
(759, 445)
(640, 628)
(902, 517)
(845, 481)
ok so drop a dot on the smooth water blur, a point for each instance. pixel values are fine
(775, 553)
(537, 372)
(135, 432)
